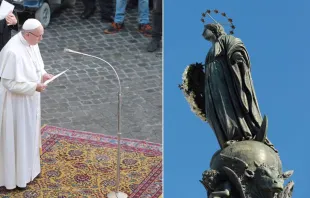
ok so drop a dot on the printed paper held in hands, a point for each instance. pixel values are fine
(5, 9)
(50, 80)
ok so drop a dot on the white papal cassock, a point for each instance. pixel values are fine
(21, 68)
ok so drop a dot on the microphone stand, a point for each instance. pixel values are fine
(117, 193)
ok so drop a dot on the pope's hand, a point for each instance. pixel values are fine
(40, 87)
(11, 19)
(47, 77)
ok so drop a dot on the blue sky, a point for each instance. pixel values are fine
(277, 38)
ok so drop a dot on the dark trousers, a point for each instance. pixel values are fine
(157, 19)
(89, 4)
(107, 7)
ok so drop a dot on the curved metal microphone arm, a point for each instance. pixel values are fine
(72, 51)
(116, 194)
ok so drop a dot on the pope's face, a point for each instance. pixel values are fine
(35, 36)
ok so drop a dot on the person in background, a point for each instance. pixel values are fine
(157, 26)
(6, 25)
(118, 23)
(107, 8)
(23, 76)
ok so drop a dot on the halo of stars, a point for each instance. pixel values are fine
(230, 21)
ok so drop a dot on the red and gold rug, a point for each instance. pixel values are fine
(83, 164)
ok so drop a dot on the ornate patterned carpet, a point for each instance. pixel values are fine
(83, 164)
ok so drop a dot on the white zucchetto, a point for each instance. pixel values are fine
(31, 24)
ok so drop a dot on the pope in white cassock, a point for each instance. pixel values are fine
(22, 77)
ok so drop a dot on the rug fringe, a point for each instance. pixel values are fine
(44, 125)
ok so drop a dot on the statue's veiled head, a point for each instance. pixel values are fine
(213, 31)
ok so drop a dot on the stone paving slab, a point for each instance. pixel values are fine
(85, 98)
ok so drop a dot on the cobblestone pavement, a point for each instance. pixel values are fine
(85, 98)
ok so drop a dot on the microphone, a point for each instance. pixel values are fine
(117, 193)
(76, 52)
(67, 50)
